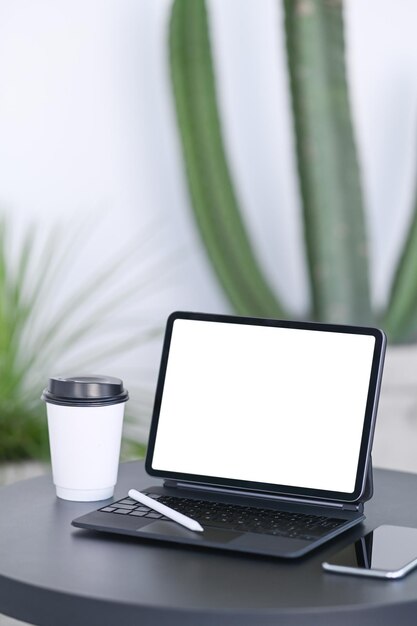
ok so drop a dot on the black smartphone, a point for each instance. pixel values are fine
(388, 552)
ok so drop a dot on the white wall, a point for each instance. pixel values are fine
(87, 126)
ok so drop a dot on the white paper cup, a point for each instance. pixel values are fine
(85, 419)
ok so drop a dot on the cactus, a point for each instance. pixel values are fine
(329, 178)
(328, 171)
(213, 197)
(400, 317)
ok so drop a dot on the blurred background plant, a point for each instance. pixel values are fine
(336, 241)
(271, 137)
(40, 335)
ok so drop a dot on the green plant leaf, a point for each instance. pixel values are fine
(31, 343)
(213, 197)
(334, 223)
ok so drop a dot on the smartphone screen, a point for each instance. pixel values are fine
(386, 552)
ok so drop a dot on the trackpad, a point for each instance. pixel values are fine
(170, 529)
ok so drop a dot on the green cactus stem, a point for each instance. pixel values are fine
(214, 200)
(334, 224)
(400, 318)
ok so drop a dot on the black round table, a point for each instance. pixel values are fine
(52, 573)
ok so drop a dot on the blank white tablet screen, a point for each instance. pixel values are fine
(260, 403)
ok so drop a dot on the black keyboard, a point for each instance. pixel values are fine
(233, 516)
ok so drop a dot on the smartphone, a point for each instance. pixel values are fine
(388, 552)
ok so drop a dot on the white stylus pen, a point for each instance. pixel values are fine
(189, 523)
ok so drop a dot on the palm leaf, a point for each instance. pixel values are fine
(31, 343)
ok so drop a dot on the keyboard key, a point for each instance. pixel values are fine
(122, 511)
(124, 506)
(127, 501)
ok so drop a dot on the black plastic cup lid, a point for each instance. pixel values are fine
(85, 391)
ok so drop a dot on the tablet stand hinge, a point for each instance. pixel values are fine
(341, 506)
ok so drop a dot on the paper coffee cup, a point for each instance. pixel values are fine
(85, 420)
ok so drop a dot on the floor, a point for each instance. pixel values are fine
(395, 443)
